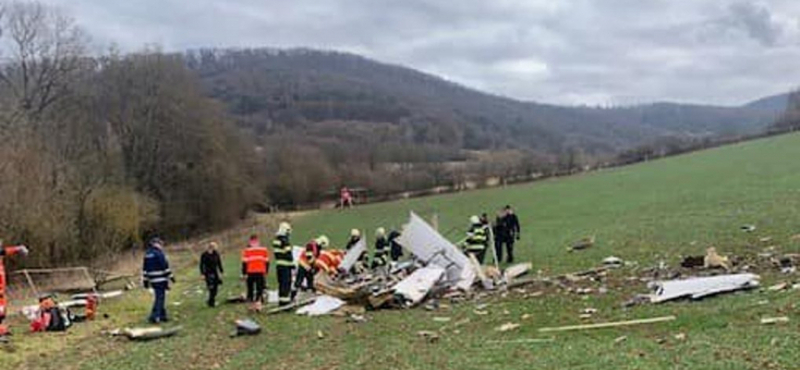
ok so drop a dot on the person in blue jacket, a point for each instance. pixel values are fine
(157, 275)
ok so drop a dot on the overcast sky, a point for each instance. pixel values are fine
(558, 51)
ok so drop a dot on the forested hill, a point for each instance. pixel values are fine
(271, 90)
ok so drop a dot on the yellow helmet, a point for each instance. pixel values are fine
(323, 241)
(355, 233)
(474, 220)
(284, 229)
(380, 232)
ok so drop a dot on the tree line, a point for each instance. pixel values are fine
(98, 151)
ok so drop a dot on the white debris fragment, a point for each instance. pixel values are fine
(432, 248)
(416, 286)
(323, 305)
(701, 287)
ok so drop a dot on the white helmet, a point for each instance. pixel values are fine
(380, 232)
(284, 229)
(355, 233)
(323, 241)
(474, 220)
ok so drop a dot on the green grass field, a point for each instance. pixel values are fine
(646, 213)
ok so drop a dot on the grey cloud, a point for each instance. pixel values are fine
(566, 51)
(756, 21)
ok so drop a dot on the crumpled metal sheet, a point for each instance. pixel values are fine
(416, 286)
(323, 305)
(700, 287)
(351, 256)
(433, 249)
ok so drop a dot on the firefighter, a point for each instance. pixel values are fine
(307, 264)
(329, 261)
(255, 267)
(476, 241)
(284, 262)
(157, 275)
(362, 263)
(6, 252)
(396, 248)
(381, 249)
(210, 271)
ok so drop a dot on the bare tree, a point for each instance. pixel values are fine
(41, 49)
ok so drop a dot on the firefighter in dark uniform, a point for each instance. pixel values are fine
(284, 262)
(394, 245)
(380, 258)
(361, 265)
(477, 239)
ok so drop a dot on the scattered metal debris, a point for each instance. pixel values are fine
(700, 287)
(507, 327)
(613, 261)
(323, 305)
(608, 324)
(246, 327)
(582, 244)
(774, 320)
(150, 333)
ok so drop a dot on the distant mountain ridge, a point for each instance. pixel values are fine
(276, 90)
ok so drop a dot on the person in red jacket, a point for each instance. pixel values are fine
(255, 265)
(307, 264)
(4, 252)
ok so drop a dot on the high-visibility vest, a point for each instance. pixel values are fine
(283, 252)
(255, 258)
(5, 251)
(329, 261)
(476, 238)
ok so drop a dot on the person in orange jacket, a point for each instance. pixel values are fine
(4, 252)
(307, 264)
(329, 261)
(255, 266)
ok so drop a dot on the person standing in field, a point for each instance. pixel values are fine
(394, 245)
(211, 270)
(345, 198)
(284, 262)
(6, 251)
(499, 232)
(255, 267)
(476, 240)
(512, 232)
(380, 259)
(157, 275)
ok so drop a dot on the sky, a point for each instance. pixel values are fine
(574, 52)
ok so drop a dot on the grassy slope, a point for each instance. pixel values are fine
(645, 213)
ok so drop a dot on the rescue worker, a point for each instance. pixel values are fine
(307, 264)
(329, 261)
(157, 275)
(499, 231)
(6, 252)
(362, 263)
(284, 262)
(476, 241)
(50, 317)
(381, 249)
(512, 231)
(396, 248)
(210, 270)
(255, 267)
